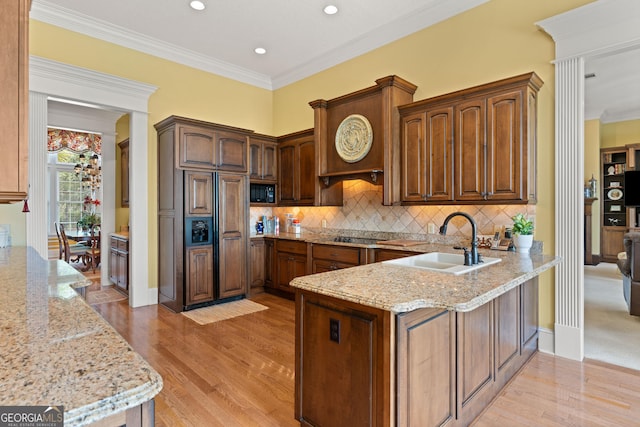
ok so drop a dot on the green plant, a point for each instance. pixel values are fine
(89, 220)
(522, 225)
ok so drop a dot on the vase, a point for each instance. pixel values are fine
(523, 243)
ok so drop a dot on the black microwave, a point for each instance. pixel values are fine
(262, 193)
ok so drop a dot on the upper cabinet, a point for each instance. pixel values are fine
(14, 86)
(263, 159)
(474, 145)
(297, 185)
(208, 146)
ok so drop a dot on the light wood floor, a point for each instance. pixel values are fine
(240, 372)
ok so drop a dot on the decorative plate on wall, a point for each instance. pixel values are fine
(353, 138)
(614, 194)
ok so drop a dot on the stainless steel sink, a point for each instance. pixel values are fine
(442, 262)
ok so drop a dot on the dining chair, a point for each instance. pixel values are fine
(77, 250)
(92, 254)
(61, 251)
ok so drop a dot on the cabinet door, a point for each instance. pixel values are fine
(14, 86)
(470, 150)
(414, 162)
(439, 154)
(199, 193)
(232, 241)
(199, 275)
(289, 266)
(123, 272)
(231, 151)
(269, 262)
(506, 161)
(475, 358)
(197, 148)
(255, 160)
(306, 172)
(611, 242)
(124, 173)
(507, 324)
(287, 173)
(270, 162)
(257, 267)
(529, 314)
(113, 266)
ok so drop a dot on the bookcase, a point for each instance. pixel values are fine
(616, 219)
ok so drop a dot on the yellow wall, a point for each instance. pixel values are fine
(619, 134)
(592, 168)
(493, 41)
(122, 133)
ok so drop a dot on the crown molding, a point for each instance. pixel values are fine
(43, 11)
(68, 81)
(434, 12)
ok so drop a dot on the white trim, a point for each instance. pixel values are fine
(569, 341)
(546, 341)
(115, 93)
(36, 221)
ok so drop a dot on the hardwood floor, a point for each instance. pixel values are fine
(240, 372)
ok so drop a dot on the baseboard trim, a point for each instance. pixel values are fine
(546, 341)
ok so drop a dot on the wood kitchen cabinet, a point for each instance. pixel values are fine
(14, 86)
(381, 254)
(232, 235)
(124, 173)
(119, 262)
(291, 262)
(269, 262)
(334, 257)
(199, 275)
(208, 146)
(297, 185)
(198, 193)
(492, 158)
(258, 264)
(263, 159)
(427, 155)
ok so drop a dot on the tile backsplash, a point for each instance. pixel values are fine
(363, 210)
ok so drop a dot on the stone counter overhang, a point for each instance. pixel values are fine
(56, 350)
(402, 289)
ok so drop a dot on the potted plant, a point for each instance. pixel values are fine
(88, 221)
(522, 232)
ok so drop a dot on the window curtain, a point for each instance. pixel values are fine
(78, 142)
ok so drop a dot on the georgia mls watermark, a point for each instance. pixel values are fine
(31, 416)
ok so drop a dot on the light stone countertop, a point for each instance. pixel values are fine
(56, 350)
(402, 289)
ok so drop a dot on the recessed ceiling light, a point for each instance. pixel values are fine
(260, 50)
(330, 10)
(197, 5)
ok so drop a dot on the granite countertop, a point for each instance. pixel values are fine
(121, 234)
(402, 289)
(56, 350)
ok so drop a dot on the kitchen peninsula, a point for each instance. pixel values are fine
(388, 345)
(56, 350)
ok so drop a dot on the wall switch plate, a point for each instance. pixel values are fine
(431, 228)
(324, 223)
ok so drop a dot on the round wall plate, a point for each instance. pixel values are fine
(354, 138)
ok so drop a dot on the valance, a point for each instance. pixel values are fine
(78, 142)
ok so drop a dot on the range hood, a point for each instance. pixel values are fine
(357, 135)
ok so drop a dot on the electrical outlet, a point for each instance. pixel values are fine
(431, 228)
(324, 223)
(334, 330)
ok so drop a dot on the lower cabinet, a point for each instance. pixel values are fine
(381, 254)
(119, 262)
(433, 368)
(335, 257)
(258, 264)
(199, 275)
(290, 262)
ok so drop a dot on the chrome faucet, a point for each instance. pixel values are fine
(475, 258)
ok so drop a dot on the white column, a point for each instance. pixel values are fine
(139, 292)
(107, 220)
(36, 220)
(569, 212)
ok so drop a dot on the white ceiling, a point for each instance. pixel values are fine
(300, 39)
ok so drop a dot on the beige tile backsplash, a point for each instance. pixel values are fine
(363, 210)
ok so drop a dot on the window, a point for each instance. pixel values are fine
(68, 197)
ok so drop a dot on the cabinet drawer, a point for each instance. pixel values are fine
(291, 246)
(123, 245)
(343, 254)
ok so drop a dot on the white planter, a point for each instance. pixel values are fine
(523, 243)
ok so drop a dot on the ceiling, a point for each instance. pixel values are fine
(300, 39)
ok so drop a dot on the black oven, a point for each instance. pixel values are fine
(198, 231)
(262, 193)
